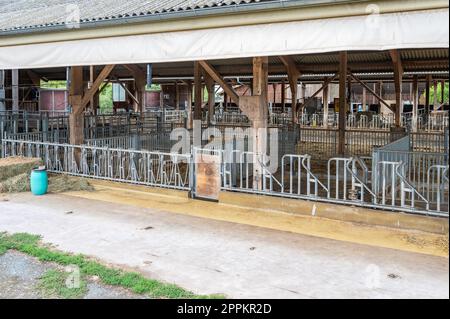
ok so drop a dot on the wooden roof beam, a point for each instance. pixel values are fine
(138, 74)
(220, 80)
(34, 77)
(325, 85)
(379, 98)
(95, 87)
(294, 73)
(127, 91)
(290, 65)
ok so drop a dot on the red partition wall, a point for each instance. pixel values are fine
(152, 99)
(52, 100)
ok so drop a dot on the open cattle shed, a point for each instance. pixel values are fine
(338, 78)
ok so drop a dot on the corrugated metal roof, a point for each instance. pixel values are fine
(374, 56)
(424, 54)
(27, 14)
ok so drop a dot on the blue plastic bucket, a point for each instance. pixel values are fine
(39, 181)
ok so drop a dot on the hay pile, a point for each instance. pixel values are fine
(14, 166)
(64, 183)
(16, 184)
(15, 173)
(15, 177)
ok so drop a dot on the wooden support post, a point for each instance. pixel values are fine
(260, 76)
(211, 97)
(364, 100)
(283, 96)
(225, 101)
(411, 91)
(79, 101)
(139, 98)
(189, 123)
(325, 106)
(427, 93)
(197, 91)
(15, 89)
(443, 92)
(76, 82)
(259, 124)
(161, 99)
(96, 105)
(141, 93)
(76, 122)
(349, 93)
(415, 110)
(303, 89)
(343, 60)
(274, 89)
(380, 89)
(76, 118)
(177, 96)
(435, 96)
(2, 93)
(91, 81)
(373, 96)
(293, 72)
(141, 85)
(203, 93)
(398, 80)
(255, 107)
(294, 91)
(131, 91)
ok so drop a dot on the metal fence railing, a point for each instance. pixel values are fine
(398, 180)
(53, 136)
(345, 181)
(323, 143)
(124, 165)
(160, 142)
(420, 173)
(430, 142)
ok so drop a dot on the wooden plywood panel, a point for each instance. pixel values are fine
(208, 181)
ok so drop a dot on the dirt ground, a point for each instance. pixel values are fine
(21, 275)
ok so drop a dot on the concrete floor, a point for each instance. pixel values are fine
(208, 256)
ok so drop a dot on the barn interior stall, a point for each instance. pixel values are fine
(362, 124)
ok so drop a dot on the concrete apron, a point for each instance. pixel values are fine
(413, 233)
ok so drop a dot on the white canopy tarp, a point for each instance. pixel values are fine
(418, 29)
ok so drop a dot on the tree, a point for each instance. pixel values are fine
(53, 84)
(106, 99)
(439, 93)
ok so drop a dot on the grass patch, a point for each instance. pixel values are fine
(53, 285)
(29, 244)
(3, 249)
